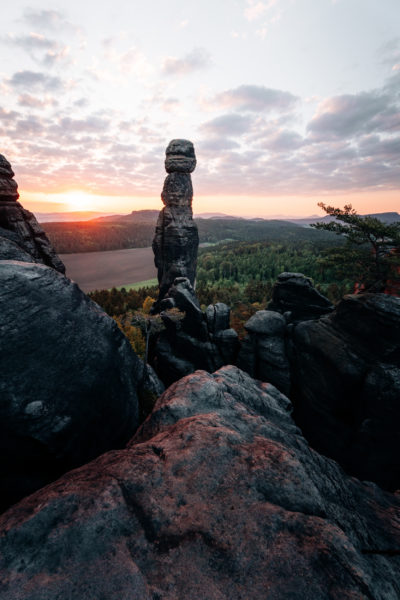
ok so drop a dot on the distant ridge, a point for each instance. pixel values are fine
(67, 217)
(216, 215)
(137, 216)
(150, 216)
(385, 217)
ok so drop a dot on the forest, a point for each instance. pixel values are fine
(364, 254)
(240, 274)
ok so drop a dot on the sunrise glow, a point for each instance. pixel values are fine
(281, 115)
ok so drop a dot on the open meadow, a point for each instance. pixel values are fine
(103, 270)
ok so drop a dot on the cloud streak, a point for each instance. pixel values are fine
(254, 98)
(46, 20)
(196, 60)
(40, 48)
(35, 80)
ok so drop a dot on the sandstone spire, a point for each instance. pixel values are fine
(176, 239)
(21, 236)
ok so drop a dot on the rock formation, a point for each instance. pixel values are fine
(341, 370)
(68, 379)
(346, 385)
(176, 239)
(21, 236)
(217, 496)
(263, 351)
(295, 296)
(192, 339)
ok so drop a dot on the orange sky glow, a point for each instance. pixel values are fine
(252, 206)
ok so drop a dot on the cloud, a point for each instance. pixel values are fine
(35, 44)
(389, 53)
(7, 115)
(167, 104)
(35, 80)
(228, 125)
(197, 59)
(90, 124)
(352, 114)
(131, 61)
(254, 98)
(282, 141)
(250, 147)
(35, 102)
(256, 9)
(28, 125)
(47, 20)
(217, 145)
(32, 41)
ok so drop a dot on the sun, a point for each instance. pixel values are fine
(77, 201)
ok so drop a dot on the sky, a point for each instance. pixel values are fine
(288, 103)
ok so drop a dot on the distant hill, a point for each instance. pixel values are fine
(136, 230)
(215, 216)
(386, 217)
(64, 217)
(136, 216)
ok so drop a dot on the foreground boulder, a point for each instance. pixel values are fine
(68, 379)
(218, 496)
(346, 385)
(21, 236)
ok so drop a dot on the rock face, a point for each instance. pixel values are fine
(295, 296)
(21, 236)
(341, 370)
(217, 496)
(68, 379)
(192, 339)
(346, 375)
(176, 239)
(263, 351)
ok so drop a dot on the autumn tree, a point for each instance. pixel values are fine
(371, 254)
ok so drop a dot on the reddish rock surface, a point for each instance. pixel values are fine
(218, 496)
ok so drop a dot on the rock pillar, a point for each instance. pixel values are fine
(176, 239)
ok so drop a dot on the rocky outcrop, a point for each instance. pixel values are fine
(294, 296)
(192, 339)
(263, 351)
(217, 496)
(341, 370)
(176, 239)
(68, 379)
(21, 236)
(346, 375)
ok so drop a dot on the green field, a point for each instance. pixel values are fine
(139, 284)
